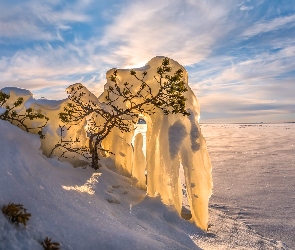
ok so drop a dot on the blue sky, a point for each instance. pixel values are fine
(240, 55)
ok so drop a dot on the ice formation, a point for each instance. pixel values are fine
(171, 141)
(139, 162)
(52, 131)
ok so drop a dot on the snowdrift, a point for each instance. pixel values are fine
(79, 208)
(87, 209)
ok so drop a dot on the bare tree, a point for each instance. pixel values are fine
(169, 97)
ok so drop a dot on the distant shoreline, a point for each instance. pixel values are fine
(256, 123)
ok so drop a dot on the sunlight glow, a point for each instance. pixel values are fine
(135, 65)
(87, 187)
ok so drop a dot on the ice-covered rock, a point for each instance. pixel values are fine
(171, 140)
(52, 131)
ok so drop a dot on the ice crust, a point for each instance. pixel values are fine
(254, 173)
(170, 141)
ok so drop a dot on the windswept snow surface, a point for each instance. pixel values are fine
(87, 209)
(254, 175)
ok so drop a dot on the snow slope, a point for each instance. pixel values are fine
(86, 209)
(254, 175)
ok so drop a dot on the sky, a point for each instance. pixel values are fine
(239, 54)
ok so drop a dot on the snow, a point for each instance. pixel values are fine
(2, 110)
(80, 208)
(253, 175)
(86, 209)
(16, 91)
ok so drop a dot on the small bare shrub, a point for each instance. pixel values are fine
(49, 245)
(16, 213)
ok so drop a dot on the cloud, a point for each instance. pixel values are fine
(182, 30)
(230, 108)
(261, 67)
(261, 85)
(164, 28)
(33, 20)
(267, 26)
(243, 7)
(50, 45)
(44, 67)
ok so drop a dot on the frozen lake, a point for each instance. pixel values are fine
(254, 175)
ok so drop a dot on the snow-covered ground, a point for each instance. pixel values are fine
(87, 209)
(254, 175)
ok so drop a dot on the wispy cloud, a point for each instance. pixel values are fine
(256, 87)
(33, 20)
(233, 108)
(46, 66)
(167, 28)
(267, 26)
(262, 66)
(243, 7)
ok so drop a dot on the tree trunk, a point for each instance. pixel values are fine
(94, 154)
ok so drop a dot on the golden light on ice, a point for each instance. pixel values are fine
(135, 65)
(87, 187)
